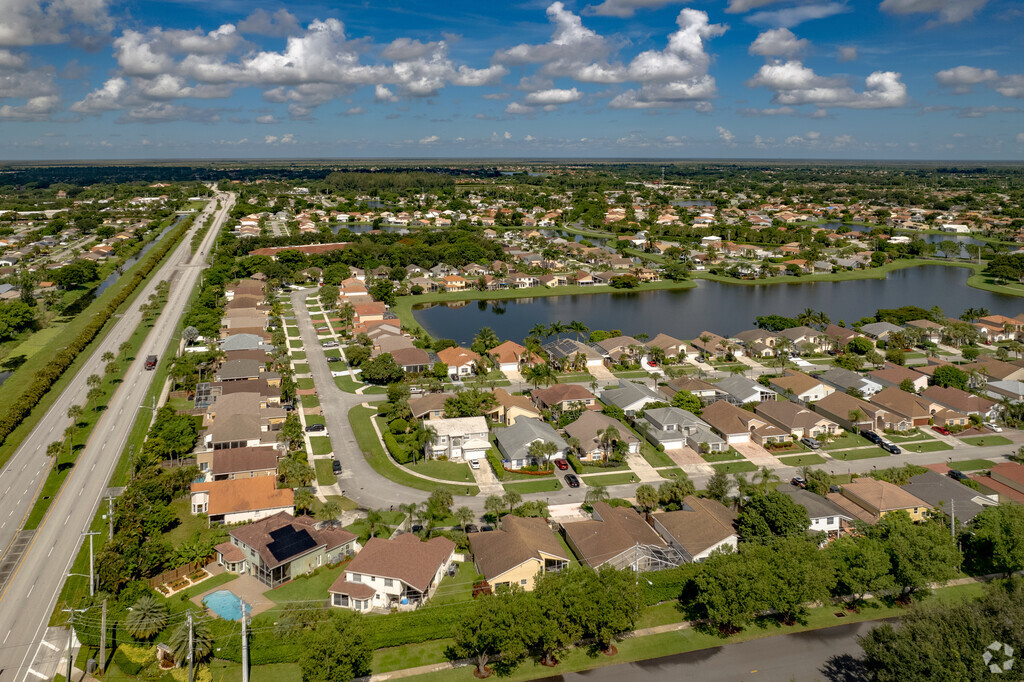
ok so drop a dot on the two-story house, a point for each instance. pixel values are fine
(461, 438)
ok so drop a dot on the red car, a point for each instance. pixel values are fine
(561, 464)
(943, 430)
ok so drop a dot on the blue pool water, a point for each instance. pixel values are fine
(226, 604)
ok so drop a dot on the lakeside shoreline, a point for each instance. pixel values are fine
(405, 306)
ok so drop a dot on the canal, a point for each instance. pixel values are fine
(718, 307)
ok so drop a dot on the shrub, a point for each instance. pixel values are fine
(132, 659)
(401, 454)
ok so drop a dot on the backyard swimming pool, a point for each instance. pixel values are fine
(226, 604)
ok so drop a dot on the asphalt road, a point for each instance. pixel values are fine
(30, 596)
(829, 654)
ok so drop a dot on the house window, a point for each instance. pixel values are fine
(388, 582)
(319, 559)
(355, 578)
(523, 582)
(831, 520)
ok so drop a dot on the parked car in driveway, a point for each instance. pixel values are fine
(329, 344)
(993, 427)
(872, 436)
(333, 358)
(315, 428)
(891, 448)
(943, 430)
(474, 464)
(798, 481)
(572, 481)
(812, 443)
(957, 475)
(561, 464)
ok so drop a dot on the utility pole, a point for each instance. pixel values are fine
(71, 639)
(245, 645)
(92, 571)
(103, 637)
(952, 518)
(190, 678)
(110, 512)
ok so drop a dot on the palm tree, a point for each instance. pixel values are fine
(578, 328)
(556, 329)
(107, 357)
(53, 449)
(93, 396)
(304, 500)
(608, 438)
(766, 477)
(540, 375)
(411, 510)
(539, 330)
(511, 499)
(123, 349)
(375, 522)
(201, 642)
(146, 617)
(596, 493)
(486, 339)
(494, 505)
(329, 512)
(464, 515)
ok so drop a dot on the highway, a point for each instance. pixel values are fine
(30, 594)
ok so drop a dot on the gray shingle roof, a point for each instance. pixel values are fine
(514, 441)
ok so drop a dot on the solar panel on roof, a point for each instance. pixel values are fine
(289, 542)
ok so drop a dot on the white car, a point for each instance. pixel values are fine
(474, 463)
(994, 427)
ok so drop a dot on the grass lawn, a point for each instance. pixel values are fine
(321, 445)
(735, 467)
(359, 417)
(226, 671)
(305, 384)
(458, 588)
(408, 656)
(208, 584)
(576, 378)
(315, 419)
(973, 464)
(674, 472)
(310, 401)
(295, 343)
(449, 471)
(301, 368)
(930, 445)
(543, 485)
(727, 456)
(847, 440)
(347, 384)
(610, 479)
(655, 457)
(189, 524)
(392, 519)
(987, 440)
(914, 436)
(306, 588)
(802, 460)
(867, 453)
(298, 355)
(324, 472)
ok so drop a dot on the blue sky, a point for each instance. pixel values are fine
(831, 79)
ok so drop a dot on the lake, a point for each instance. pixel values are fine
(714, 306)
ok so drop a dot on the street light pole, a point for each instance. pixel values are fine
(92, 572)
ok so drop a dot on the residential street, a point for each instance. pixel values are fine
(29, 597)
(372, 490)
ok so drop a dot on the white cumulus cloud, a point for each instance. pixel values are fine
(779, 42)
(948, 11)
(795, 84)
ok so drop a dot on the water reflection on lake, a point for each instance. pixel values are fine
(719, 307)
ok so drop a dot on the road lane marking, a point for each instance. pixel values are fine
(29, 593)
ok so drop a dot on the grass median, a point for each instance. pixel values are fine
(372, 449)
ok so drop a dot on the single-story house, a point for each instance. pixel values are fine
(961, 401)
(631, 397)
(800, 387)
(564, 351)
(708, 393)
(855, 414)
(949, 496)
(845, 380)
(698, 529)
(737, 425)
(517, 552)
(674, 428)
(561, 397)
(514, 441)
(589, 428)
(879, 498)
(893, 375)
(741, 390)
(619, 537)
(826, 516)
(512, 407)
(461, 362)
(798, 421)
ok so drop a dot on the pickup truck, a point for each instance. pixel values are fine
(151, 362)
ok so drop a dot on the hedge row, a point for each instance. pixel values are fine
(47, 376)
(398, 453)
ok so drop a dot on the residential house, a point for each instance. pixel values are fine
(241, 420)
(855, 414)
(461, 438)
(845, 380)
(991, 369)
(805, 340)
(698, 529)
(243, 499)
(826, 516)
(894, 375)
(561, 397)
(411, 359)
(918, 410)
(880, 330)
(1000, 390)
(838, 336)
(620, 349)
(708, 393)
(462, 362)
(674, 428)
(929, 330)
(517, 552)
(962, 402)
(220, 465)
(511, 408)
(670, 345)
(737, 425)
(631, 397)
(403, 572)
(618, 537)
(514, 442)
(741, 390)
(798, 421)
(590, 428)
(879, 498)
(429, 406)
(712, 345)
(282, 547)
(512, 357)
(565, 351)
(759, 343)
(948, 496)
(800, 387)
(1007, 480)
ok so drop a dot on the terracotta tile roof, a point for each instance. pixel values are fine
(245, 494)
(507, 400)
(852, 508)
(404, 558)
(457, 356)
(882, 495)
(235, 460)
(518, 541)
(560, 393)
